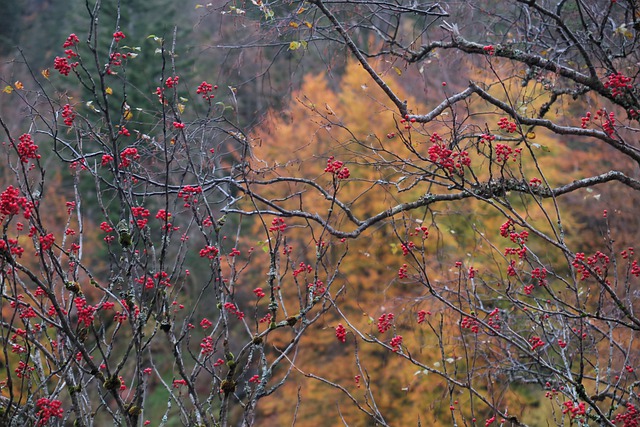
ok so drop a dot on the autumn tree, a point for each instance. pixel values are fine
(528, 303)
(433, 237)
(124, 303)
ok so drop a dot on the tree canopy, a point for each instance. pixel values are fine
(320, 213)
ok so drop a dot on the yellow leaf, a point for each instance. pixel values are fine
(90, 105)
(531, 135)
(293, 24)
(181, 108)
(127, 114)
(302, 9)
(308, 24)
(7, 89)
(108, 91)
(45, 73)
(18, 85)
(624, 31)
(397, 70)
(294, 45)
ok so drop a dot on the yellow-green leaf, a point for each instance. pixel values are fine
(127, 114)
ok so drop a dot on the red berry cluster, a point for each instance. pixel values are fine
(385, 322)
(205, 323)
(188, 194)
(231, 308)
(470, 323)
(106, 159)
(71, 41)
(505, 153)
(574, 409)
(142, 213)
(118, 35)
(63, 66)
(494, 319)
(302, 268)
(507, 125)
(23, 370)
(205, 90)
(422, 315)
(11, 203)
(86, 312)
(317, 288)
(341, 333)
(27, 149)
(209, 251)
(336, 167)
(207, 346)
(128, 155)
(406, 121)
(48, 409)
(277, 224)
(402, 272)
(396, 342)
(486, 138)
(536, 342)
(171, 81)
(446, 158)
(631, 418)
(46, 241)
(618, 83)
(68, 114)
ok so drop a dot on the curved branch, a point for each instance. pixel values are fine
(624, 148)
(484, 191)
(401, 105)
(448, 102)
(507, 52)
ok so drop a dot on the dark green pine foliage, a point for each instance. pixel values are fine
(44, 25)
(10, 20)
(150, 27)
(40, 27)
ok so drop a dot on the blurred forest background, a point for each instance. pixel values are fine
(268, 84)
